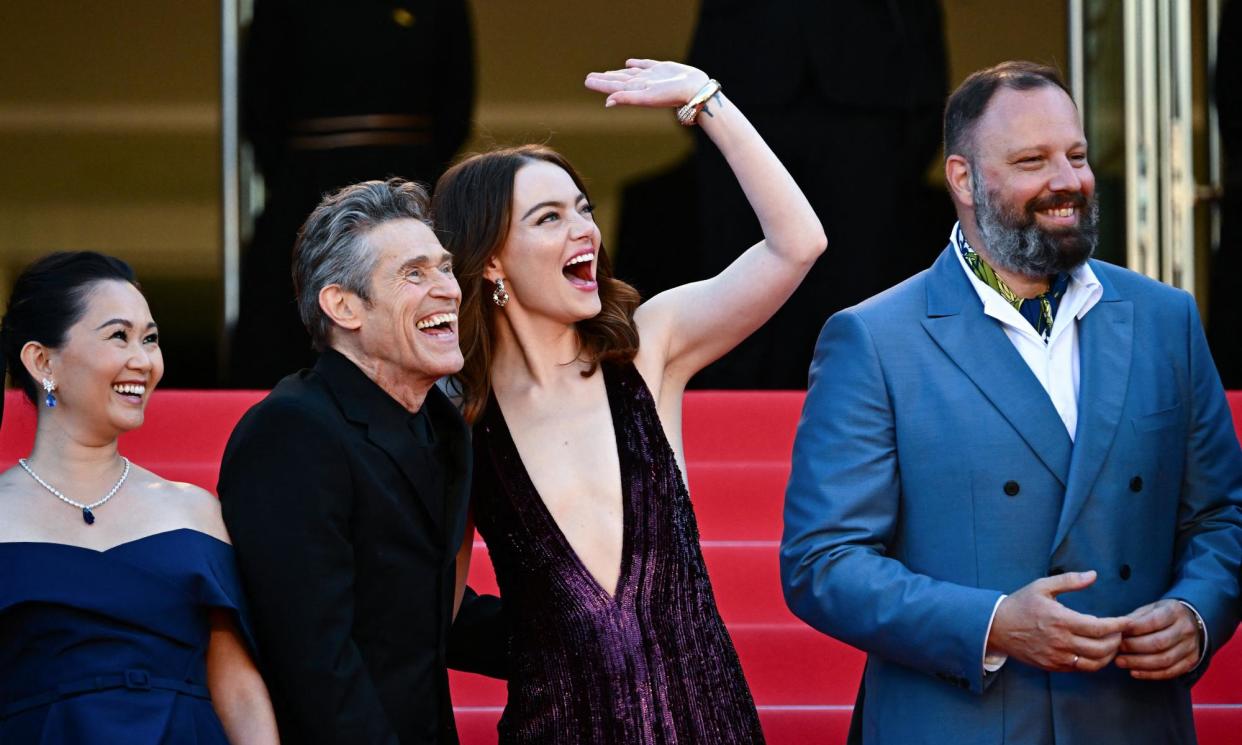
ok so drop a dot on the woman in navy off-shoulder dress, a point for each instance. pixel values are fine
(575, 393)
(120, 605)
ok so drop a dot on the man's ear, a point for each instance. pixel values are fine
(960, 180)
(342, 306)
(493, 270)
(38, 361)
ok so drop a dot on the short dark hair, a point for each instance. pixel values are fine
(967, 104)
(331, 248)
(48, 297)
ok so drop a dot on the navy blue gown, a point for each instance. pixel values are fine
(110, 647)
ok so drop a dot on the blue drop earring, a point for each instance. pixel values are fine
(50, 388)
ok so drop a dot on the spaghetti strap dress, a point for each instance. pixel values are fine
(650, 665)
(110, 646)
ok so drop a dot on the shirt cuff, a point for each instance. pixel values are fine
(1203, 635)
(993, 662)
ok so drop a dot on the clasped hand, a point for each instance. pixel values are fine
(1158, 641)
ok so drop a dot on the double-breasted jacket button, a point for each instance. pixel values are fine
(1125, 571)
(1012, 488)
(1136, 484)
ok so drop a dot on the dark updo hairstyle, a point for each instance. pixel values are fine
(48, 298)
(471, 211)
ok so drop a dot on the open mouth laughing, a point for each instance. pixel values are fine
(441, 325)
(580, 270)
(131, 392)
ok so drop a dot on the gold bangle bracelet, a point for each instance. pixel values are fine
(688, 113)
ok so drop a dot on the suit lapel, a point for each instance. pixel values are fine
(1105, 343)
(978, 346)
(365, 403)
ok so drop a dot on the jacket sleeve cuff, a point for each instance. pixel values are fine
(994, 662)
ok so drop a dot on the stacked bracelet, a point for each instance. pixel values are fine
(690, 112)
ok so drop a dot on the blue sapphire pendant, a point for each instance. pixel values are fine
(88, 517)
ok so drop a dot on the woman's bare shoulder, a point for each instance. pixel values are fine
(191, 506)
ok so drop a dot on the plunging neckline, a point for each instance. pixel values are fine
(546, 515)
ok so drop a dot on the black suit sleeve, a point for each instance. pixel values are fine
(478, 641)
(285, 489)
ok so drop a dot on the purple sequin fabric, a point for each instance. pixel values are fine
(653, 665)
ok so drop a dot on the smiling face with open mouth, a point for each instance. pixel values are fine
(410, 323)
(109, 364)
(1032, 188)
(550, 257)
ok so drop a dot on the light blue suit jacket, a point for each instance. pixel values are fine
(931, 474)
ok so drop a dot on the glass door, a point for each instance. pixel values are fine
(1139, 71)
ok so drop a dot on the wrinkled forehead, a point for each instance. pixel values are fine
(1043, 118)
(395, 242)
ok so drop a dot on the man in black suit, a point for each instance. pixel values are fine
(345, 490)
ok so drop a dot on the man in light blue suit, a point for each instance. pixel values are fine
(1016, 484)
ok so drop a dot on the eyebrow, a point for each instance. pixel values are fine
(423, 260)
(122, 322)
(1042, 147)
(552, 203)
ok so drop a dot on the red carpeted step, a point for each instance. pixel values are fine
(795, 664)
(1222, 683)
(740, 425)
(804, 725)
(476, 725)
(1216, 724)
(738, 500)
(469, 689)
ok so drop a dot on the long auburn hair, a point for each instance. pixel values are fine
(471, 210)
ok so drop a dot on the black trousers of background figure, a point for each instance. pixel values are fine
(864, 172)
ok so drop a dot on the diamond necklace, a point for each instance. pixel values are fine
(87, 516)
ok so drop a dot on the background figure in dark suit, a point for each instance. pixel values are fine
(335, 92)
(1225, 297)
(849, 94)
(346, 489)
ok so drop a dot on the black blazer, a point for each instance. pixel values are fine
(348, 566)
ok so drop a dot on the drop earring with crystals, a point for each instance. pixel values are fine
(499, 296)
(49, 387)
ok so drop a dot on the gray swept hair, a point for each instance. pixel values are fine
(332, 247)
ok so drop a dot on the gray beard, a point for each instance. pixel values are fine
(1015, 242)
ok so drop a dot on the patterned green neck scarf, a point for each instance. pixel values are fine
(1040, 311)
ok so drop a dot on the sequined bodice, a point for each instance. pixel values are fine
(651, 663)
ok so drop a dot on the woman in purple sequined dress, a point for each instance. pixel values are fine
(575, 393)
